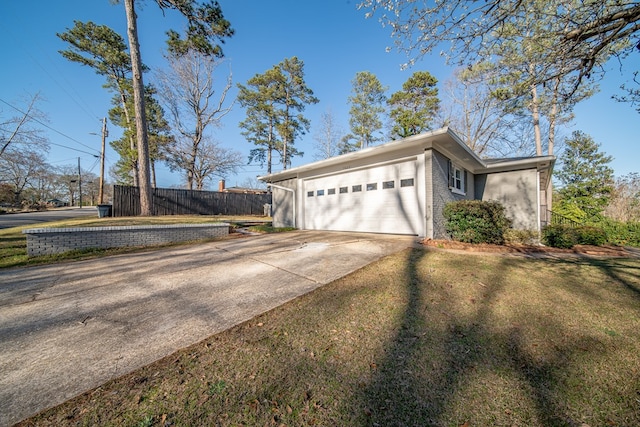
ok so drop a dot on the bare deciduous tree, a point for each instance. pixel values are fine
(19, 169)
(17, 127)
(584, 35)
(470, 109)
(188, 90)
(624, 204)
(327, 137)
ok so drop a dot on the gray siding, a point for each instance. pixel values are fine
(282, 204)
(517, 191)
(441, 192)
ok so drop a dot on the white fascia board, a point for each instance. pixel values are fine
(458, 151)
(538, 162)
(412, 141)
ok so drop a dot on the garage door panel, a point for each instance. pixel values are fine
(394, 209)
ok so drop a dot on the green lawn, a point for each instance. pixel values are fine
(13, 243)
(420, 338)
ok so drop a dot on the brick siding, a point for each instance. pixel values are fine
(48, 241)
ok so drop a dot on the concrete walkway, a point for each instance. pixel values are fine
(67, 328)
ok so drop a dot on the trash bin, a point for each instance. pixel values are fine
(267, 209)
(104, 211)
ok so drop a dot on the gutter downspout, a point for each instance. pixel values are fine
(539, 201)
(293, 193)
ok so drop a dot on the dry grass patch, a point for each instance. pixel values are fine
(419, 338)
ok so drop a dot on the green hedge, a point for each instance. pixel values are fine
(567, 236)
(604, 231)
(621, 233)
(559, 236)
(476, 221)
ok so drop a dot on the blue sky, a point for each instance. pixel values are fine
(332, 37)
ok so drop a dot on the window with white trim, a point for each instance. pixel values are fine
(457, 178)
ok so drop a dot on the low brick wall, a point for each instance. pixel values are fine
(47, 241)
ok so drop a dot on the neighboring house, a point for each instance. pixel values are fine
(239, 190)
(401, 187)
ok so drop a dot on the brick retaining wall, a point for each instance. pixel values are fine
(47, 241)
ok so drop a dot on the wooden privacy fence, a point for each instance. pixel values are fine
(168, 201)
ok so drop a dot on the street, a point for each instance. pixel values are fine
(19, 219)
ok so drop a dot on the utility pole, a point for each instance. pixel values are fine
(105, 133)
(79, 184)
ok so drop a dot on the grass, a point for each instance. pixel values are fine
(268, 228)
(13, 243)
(420, 338)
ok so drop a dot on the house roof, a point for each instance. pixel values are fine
(444, 140)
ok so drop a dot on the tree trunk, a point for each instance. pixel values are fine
(144, 181)
(553, 116)
(535, 113)
(153, 174)
(132, 142)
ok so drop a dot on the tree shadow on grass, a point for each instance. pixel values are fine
(409, 389)
(624, 271)
(435, 362)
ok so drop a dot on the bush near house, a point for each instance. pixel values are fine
(476, 221)
(621, 233)
(601, 232)
(566, 236)
(522, 237)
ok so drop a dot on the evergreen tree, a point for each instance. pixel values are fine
(413, 109)
(275, 101)
(125, 169)
(586, 178)
(367, 104)
(258, 97)
(293, 96)
(101, 48)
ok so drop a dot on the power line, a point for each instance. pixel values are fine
(74, 149)
(86, 108)
(50, 128)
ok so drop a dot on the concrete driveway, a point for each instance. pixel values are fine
(67, 328)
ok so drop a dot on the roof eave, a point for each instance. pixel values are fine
(366, 152)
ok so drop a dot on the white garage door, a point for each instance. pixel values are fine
(382, 199)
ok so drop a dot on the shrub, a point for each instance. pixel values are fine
(559, 236)
(589, 235)
(522, 237)
(476, 221)
(621, 233)
(566, 236)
